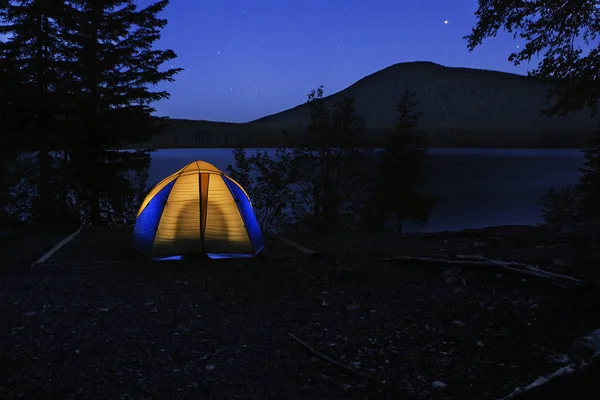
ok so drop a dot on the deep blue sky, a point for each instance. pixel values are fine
(247, 59)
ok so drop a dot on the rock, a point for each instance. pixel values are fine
(498, 276)
(438, 385)
(458, 323)
(559, 358)
(587, 347)
(210, 367)
(479, 245)
(352, 307)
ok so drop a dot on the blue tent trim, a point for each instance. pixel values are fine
(147, 223)
(252, 226)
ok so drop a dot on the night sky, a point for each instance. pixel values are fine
(247, 59)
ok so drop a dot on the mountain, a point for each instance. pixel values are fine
(451, 98)
(461, 107)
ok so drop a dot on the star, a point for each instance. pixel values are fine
(446, 22)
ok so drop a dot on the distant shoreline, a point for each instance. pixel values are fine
(185, 135)
(276, 147)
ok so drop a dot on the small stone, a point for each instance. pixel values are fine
(30, 314)
(352, 307)
(314, 359)
(458, 323)
(567, 229)
(478, 245)
(498, 276)
(210, 367)
(438, 385)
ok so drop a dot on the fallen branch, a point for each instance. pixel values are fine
(347, 368)
(56, 248)
(479, 261)
(575, 380)
(89, 263)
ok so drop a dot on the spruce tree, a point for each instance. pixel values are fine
(402, 173)
(108, 49)
(30, 58)
(330, 161)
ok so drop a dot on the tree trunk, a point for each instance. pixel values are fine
(41, 127)
(45, 191)
(94, 139)
(95, 217)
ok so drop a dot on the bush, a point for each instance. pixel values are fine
(559, 205)
(268, 181)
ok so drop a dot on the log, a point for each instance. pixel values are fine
(482, 262)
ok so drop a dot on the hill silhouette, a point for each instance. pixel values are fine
(461, 107)
(451, 98)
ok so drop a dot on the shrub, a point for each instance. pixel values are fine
(559, 205)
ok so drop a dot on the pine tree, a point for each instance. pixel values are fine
(30, 57)
(108, 49)
(330, 160)
(402, 172)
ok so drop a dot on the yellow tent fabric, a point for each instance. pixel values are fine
(198, 209)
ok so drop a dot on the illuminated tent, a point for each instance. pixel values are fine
(197, 210)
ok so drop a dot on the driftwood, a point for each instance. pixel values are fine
(348, 369)
(473, 261)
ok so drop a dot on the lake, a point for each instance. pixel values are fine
(476, 187)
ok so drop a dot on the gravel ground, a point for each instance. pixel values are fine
(97, 323)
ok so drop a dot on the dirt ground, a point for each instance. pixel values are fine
(96, 323)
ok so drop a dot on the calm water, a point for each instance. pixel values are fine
(476, 187)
